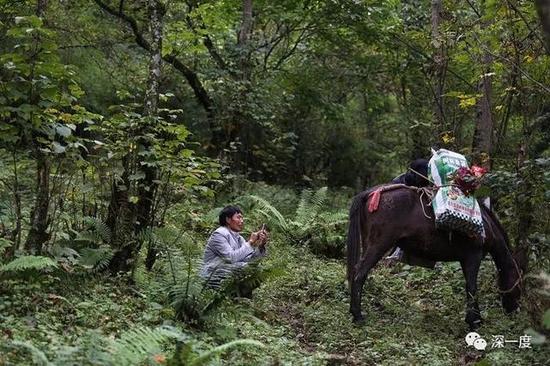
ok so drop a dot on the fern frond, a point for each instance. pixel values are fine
(334, 218)
(99, 227)
(29, 262)
(38, 357)
(309, 209)
(89, 237)
(212, 215)
(134, 346)
(269, 211)
(96, 258)
(4, 244)
(303, 205)
(204, 357)
(319, 199)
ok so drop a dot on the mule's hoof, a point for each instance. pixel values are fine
(358, 320)
(476, 324)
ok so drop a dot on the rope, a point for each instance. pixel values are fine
(518, 281)
(422, 175)
(425, 191)
(518, 271)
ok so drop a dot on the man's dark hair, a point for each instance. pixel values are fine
(228, 212)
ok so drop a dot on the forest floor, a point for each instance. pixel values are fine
(413, 316)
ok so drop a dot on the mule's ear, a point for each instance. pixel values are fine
(521, 257)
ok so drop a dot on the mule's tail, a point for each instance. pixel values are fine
(356, 217)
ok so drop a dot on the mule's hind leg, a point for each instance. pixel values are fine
(371, 256)
(470, 268)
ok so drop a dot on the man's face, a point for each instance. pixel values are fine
(235, 222)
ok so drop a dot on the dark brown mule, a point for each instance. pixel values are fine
(400, 219)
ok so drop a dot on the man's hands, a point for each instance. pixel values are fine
(258, 238)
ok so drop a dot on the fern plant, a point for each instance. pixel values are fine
(38, 357)
(4, 245)
(97, 232)
(311, 218)
(29, 263)
(138, 346)
(88, 248)
(186, 355)
(133, 347)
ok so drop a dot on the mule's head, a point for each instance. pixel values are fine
(511, 286)
(510, 299)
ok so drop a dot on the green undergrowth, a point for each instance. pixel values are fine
(413, 316)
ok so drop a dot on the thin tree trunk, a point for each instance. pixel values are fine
(16, 235)
(439, 67)
(38, 234)
(543, 9)
(120, 220)
(41, 6)
(245, 74)
(39, 221)
(482, 144)
(125, 257)
(203, 98)
(244, 37)
(149, 187)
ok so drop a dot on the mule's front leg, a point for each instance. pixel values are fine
(470, 268)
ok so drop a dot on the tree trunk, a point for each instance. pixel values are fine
(41, 6)
(120, 220)
(482, 144)
(125, 258)
(16, 235)
(543, 9)
(38, 234)
(439, 68)
(39, 220)
(148, 189)
(244, 37)
(245, 73)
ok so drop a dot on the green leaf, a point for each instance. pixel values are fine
(58, 148)
(137, 176)
(62, 130)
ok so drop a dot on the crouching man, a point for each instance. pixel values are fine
(227, 252)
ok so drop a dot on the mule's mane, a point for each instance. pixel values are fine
(497, 223)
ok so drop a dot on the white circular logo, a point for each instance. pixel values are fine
(480, 344)
(471, 337)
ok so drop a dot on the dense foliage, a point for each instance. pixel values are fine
(126, 125)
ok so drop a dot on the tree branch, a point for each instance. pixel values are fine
(200, 93)
(528, 25)
(206, 40)
(428, 57)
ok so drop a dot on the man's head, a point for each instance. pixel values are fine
(232, 217)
